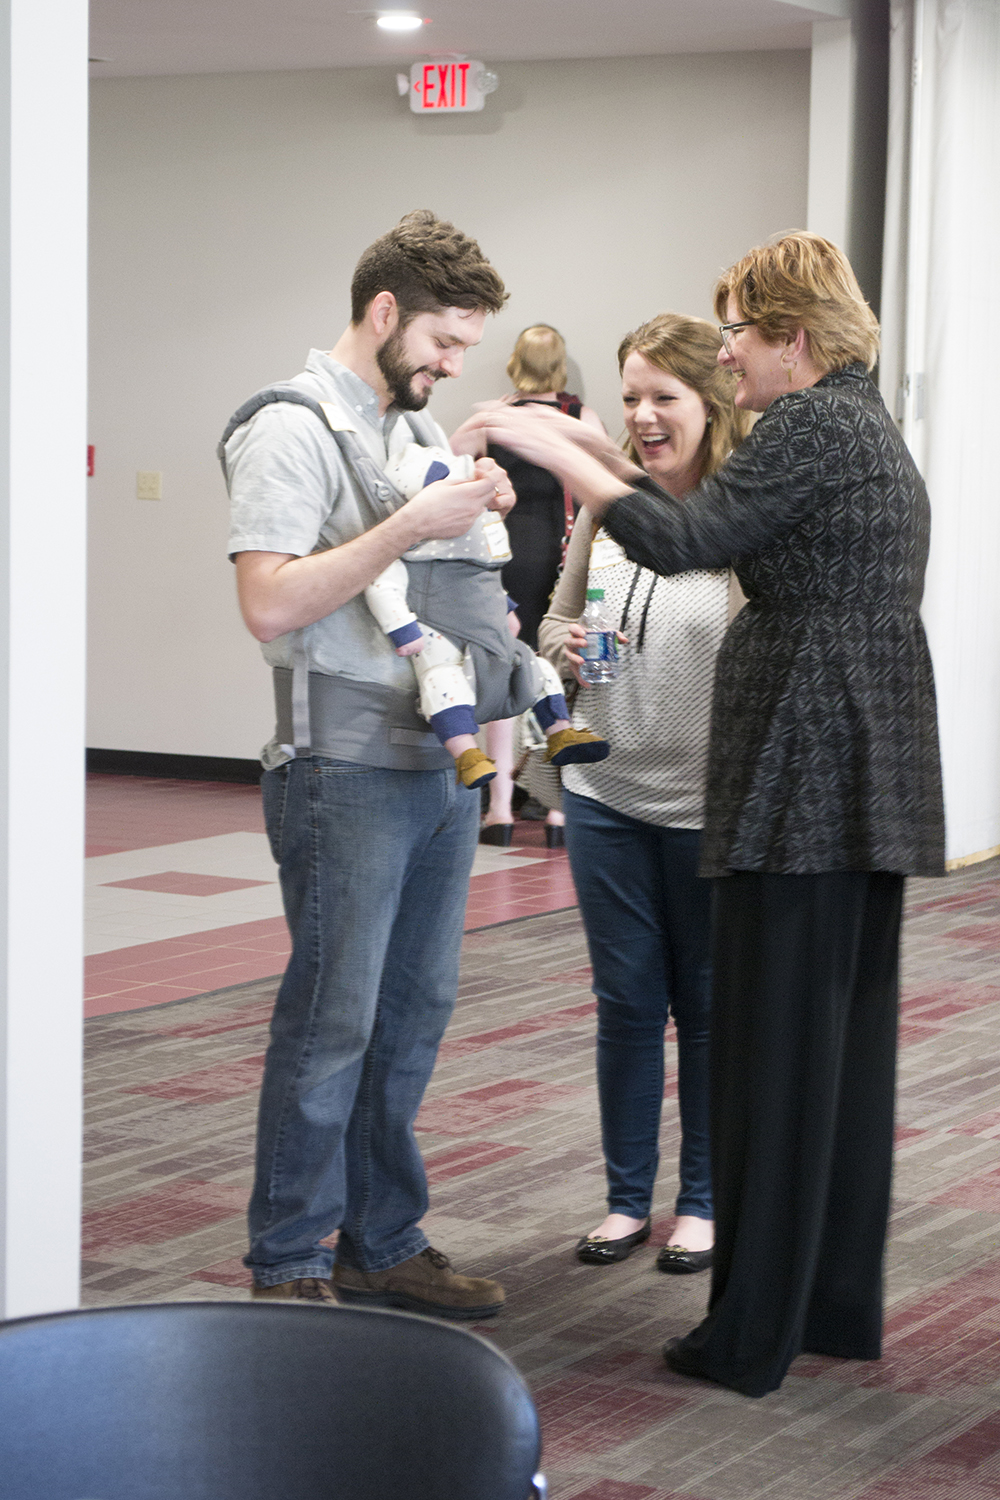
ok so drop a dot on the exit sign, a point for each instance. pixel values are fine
(448, 87)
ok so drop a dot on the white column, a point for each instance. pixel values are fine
(831, 130)
(43, 135)
(952, 304)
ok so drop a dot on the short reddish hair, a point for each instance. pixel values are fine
(803, 281)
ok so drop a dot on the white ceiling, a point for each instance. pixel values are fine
(141, 37)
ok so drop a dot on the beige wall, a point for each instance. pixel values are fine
(227, 214)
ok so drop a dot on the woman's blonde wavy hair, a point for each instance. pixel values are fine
(539, 360)
(688, 349)
(803, 281)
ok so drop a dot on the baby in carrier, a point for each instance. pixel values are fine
(460, 643)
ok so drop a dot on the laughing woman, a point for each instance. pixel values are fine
(633, 823)
(824, 791)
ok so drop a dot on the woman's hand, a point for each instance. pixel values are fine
(554, 425)
(471, 436)
(535, 433)
(576, 639)
(574, 644)
(584, 460)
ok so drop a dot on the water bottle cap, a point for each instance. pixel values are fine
(595, 594)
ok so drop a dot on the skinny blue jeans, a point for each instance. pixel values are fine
(374, 868)
(647, 916)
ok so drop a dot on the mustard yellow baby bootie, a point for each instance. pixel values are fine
(573, 747)
(473, 769)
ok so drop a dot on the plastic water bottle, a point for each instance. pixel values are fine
(600, 654)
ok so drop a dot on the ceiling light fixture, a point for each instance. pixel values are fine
(396, 20)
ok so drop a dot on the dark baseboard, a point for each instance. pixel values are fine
(177, 767)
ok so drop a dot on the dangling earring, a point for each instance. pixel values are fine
(708, 420)
(788, 368)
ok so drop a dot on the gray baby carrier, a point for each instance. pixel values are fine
(474, 617)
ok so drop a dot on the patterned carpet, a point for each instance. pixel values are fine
(509, 1132)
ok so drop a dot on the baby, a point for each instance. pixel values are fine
(456, 585)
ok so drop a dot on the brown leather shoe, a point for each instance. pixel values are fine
(305, 1289)
(425, 1284)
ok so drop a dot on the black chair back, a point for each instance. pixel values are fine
(259, 1401)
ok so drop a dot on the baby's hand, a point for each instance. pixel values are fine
(411, 648)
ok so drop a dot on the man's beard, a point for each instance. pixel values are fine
(398, 374)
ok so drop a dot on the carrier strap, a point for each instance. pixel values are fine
(383, 500)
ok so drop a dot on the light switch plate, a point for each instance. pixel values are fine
(149, 484)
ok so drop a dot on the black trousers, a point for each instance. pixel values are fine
(806, 1001)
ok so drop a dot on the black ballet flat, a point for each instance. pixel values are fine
(555, 836)
(677, 1261)
(601, 1252)
(499, 834)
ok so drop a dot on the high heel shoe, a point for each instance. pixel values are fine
(555, 836)
(499, 834)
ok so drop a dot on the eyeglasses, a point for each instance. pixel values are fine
(728, 329)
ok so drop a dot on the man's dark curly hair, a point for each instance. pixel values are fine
(426, 263)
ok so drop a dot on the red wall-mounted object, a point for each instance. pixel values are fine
(90, 460)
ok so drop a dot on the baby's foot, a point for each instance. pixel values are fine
(570, 747)
(473, 768)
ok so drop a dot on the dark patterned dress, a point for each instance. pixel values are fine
(824, 749)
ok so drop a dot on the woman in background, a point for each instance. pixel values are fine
(537, 526)
(633, 822)
(540, 520)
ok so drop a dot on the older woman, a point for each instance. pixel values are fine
(823, 792)
(633, 823)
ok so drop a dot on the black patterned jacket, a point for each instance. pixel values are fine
(824, 750)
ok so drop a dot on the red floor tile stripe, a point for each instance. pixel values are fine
(181, 1207)
(153, 973)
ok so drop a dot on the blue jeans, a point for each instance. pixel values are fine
(374, 876)
(647, 916)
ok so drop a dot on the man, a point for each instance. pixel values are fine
(374, 838)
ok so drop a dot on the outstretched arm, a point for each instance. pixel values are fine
(581, 456)
(798, 454)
